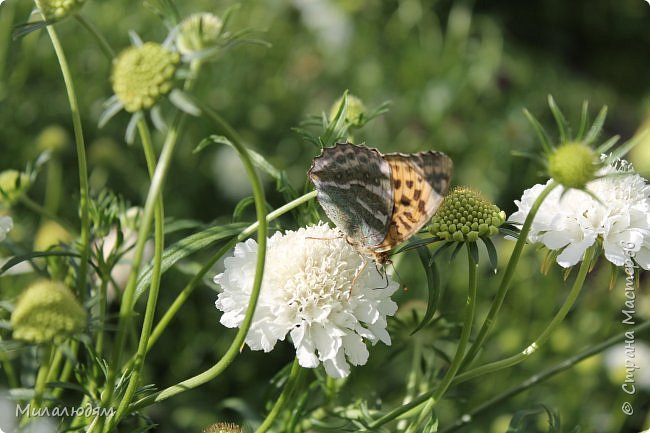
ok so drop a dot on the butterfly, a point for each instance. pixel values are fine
(379, 200)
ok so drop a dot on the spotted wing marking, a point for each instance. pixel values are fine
(419, 182)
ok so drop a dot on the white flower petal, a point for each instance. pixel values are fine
(307, 292)
(571, 221)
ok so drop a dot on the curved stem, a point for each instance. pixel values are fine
(546, 374)
(288, 390)
(101, 40)
(126, 307)
(154, 287)
(240, 337)
(189, 288)
(557, 319)
(468, 320)
(82, 164)
(45, 213)
(507, 277)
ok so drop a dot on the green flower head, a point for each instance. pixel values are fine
(223, 427)
(13, 184)
(54, 10)
(47, 310)
(573, 164)
(141, 75)
(465, 216)
(199, 32)
(355, 112)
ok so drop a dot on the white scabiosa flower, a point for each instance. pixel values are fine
(307, 292)
(617, 212)
(6, 224)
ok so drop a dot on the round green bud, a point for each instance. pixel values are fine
(46, 311)
(54, 10)
(355, 112)
(465, 216)
(199, 32)
(53, 138)
(13, 184)
(573, 164)
(141, 75)
(223, 427)
(50, 234)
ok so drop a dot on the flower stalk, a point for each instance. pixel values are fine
(507, 278)
(81, 161)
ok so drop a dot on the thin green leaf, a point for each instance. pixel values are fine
(597, 126)
(624, 148)
(584, 120)
(24, 29)
(433, 287)
(444, 247)
(459, 246)
(492, 253)
(25, 257)
(243, 204)
(560, 120)
(186, 247)
(416, 243)
(541, 133)
(604, 148)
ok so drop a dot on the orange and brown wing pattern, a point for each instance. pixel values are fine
(419, 183)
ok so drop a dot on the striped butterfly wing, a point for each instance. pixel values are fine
(353, 185)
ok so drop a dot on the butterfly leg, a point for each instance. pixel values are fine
(357, 274)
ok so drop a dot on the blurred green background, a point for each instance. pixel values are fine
(458, 75)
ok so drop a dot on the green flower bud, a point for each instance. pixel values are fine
(13, 184)
(355, 110)
(141, 75)
(573, 164)
(199, 32)
(47, 310)
(465, 216)
(53, 138)
(49, 235)
(54, 10)
(222, 427)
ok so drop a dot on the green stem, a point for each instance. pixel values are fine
(532, 348)
(240, 337)
(67, 368)
(446, 381)
(42, 211)
(10, 373)
(53, 187)
(544, 375)
(506, 281)
(189, 288)
(154, 287)
(43, 373)
(287, 392)
(126, 307)
(101, 40)
(82, 164)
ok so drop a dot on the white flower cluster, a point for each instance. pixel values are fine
(618, 214)
(307, 292)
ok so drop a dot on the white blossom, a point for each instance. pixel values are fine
(316, 289)
(617, 212)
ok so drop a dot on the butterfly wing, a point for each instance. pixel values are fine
(419, 182)
(354, 188)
